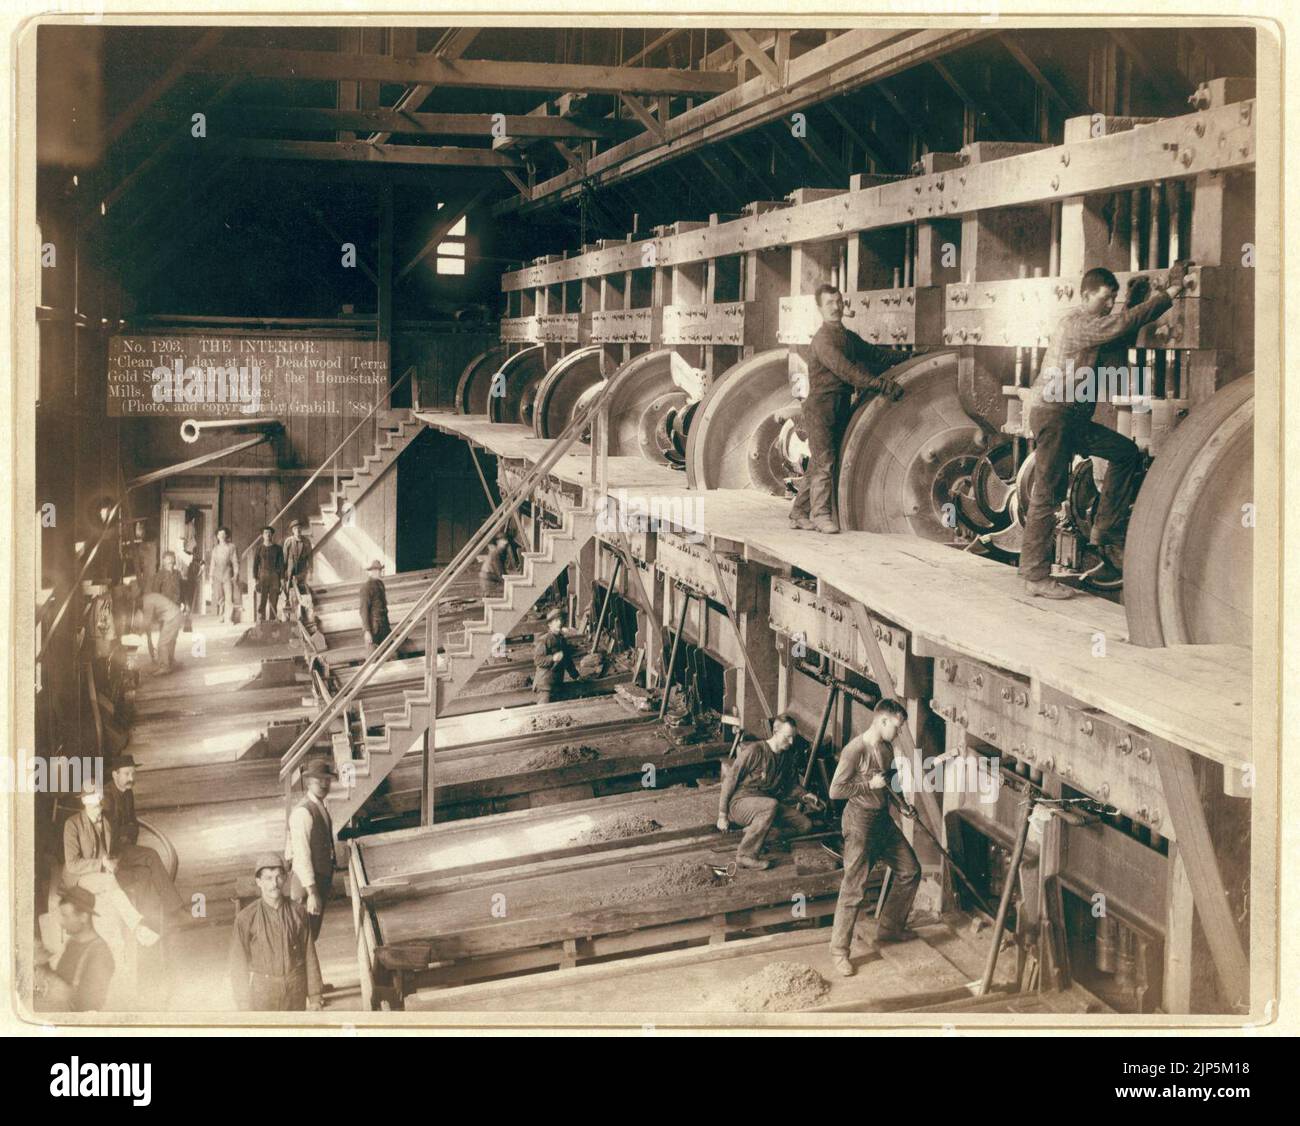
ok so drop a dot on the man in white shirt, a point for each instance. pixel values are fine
(309, 850)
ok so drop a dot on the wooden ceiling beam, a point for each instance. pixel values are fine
(361, 152)
(486, 74)
(388, 121)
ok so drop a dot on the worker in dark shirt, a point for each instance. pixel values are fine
(870, 834)
(268, 575)
(140, 870)
(761, 789)
(1061, 406)
(552, 659)
(85, 968)
(374, 605)
(491, 575)
(838, 361)
(273, 962)
(162, 604)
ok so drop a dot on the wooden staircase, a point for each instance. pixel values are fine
(397, 429)
(465, 649)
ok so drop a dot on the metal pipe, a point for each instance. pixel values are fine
(1135, 229)
(1004, 904)
(192, 428)
(609, 591)
(1054, 244)
(831, 693)
(672, 657)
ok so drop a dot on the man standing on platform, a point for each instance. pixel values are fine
(552, 658)
(870, 834)
(268, 575)
(374, 605)
(1062, 424)
(273, 963)
(762, 788)
(140, 870)
(224, 568)
(297, 563)
(309, 850)
(838, 361)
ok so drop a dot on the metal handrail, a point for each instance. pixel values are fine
(433, 594)
(275, 520)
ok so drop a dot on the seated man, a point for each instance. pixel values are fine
(552, 658)
(88, 862)
(870, 834)
(761, 789)
(140, 871)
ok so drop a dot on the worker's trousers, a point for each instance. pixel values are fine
(822, 421)
(1060, 432)
(224, 589)
(268, 604)
(144, 878)
(757, 814)
(274, 993)
(871, 835)
(159, 606)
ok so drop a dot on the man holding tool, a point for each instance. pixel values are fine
(763, 788)
(870, 834)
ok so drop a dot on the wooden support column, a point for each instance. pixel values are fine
(753, 597)
(1086, 240)
(1180, 921)
(1196, 848)
(435, 696)
(384, 269)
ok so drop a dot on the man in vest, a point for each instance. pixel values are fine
(273, 962)
(140, 873)
(310, 847)
(297, 564)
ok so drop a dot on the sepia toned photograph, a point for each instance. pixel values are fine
(609, 524)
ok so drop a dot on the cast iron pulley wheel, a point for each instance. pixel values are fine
(476, 380)
(513, 386)
(729, 436)
(563, 387)
(638, 385)
(896, 457)
(1189, 556)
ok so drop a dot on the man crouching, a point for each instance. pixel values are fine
(762, 789)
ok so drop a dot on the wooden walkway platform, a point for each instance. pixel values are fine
(1194, 696)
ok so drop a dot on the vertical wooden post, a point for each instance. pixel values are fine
(431, 680)
(1180, 914)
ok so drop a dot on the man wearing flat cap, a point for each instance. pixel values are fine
(140, 871)
(374, 605)
(309, 849)
(273, 963)
(552, 658)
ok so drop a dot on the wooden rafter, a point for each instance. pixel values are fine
(186, 64)
(1018, 52)
(361, 152)
(319, 120)
(454, 43)
(487, 74)
(987, 109)
(755, 54)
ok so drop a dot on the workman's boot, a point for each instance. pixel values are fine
(802, 524)
(826, 525)
(842, 965)
(904, 935)
(1047, 588)
(753, 862)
